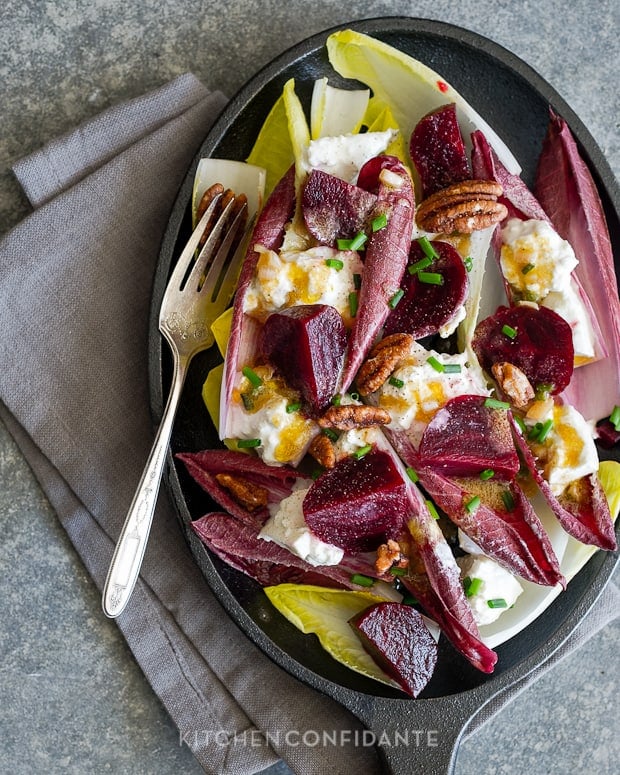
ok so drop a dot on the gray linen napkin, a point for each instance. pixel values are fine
(75, 282)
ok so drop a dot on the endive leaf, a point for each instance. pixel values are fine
(273, 148)
(335, 111)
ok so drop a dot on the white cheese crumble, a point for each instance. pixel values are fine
(290, 279)
(496, 584)
(287, 528)
(344, 155)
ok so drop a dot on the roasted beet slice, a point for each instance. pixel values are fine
(427, 306)
(333, 208)
(358, 504)
(306, 344)
(466, 437)
(536, 339)
(397, 638)
(438, 151)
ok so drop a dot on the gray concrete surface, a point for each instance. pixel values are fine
(72, 699)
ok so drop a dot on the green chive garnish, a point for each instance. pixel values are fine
(409, 600)
(509, 501)
(469, 263)
(543, 390)
(355, 396)
(358, 241)
(433, 509)
(248, 443)
(357, 281)
(316, 473)
(430, 278)
(471, 586)
(534, 431)
(251, 376)
(427, 247)
(437, 365)
(614, 418)
(362, 451)
(290, 408)
(472, 505)
(509, 331)
(493, 403)
(330, 433)
(520, 423)
(419, 265)
(361, 580)
(334, 263)
(398, 571)
(336, 400)
(395, 382)
(378, 223)
(353, 301)
(452, 368)
(396, 298)
(544, 431)
(413, 474)
(527, 268)
(488, 473)
(497, 602)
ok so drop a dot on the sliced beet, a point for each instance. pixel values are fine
(542, 346)
(465, 437)
(397, 638)
(306, 344)
(437, 150)
(358, 504)
(426, 307)
(333, 208)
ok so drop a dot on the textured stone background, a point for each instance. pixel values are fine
(72, 698)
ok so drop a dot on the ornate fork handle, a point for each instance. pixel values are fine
(127, 558)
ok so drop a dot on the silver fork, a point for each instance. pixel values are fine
(194, 298)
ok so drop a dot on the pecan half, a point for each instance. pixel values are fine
(345, 418)
(390, 555)
(323, 451)
(250, 496)
(383, 359)
(217, 189)
(467, 206)
(514, 383)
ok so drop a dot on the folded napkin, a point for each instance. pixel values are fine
(75, 283)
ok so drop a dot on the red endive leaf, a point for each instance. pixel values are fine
(566, 190)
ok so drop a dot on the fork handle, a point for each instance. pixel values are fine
(127, 558)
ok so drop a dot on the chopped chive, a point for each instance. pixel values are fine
(353, 301)
(493, 403)
(334, 263)
(248, 401)
(520, 423)
(509, 501)
(488, 473)
(343, 244)
(614, 418)
(398, 571)
(472, 505)
(437, 365)
(534, 431)
(395, 382)
(452, 368)
(471, 586)
(527, 268)
(409, 600)
(509, 331)
(427, 247)
(358, 241)
(430, 278)
(336, 400)
(432, 509)
(316, 473)
(469, 263)
(361, 580)
(362, 451)
(378, 223)
(497, 602)
(251, 376)
(248, 443)
(419, 265)
(357, 281)
(413, 474)
(396, 298)
(355, 396)
(542, 390)
(294, 407)
(545, 430)
(330, 433)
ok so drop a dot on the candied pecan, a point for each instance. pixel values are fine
(514, 383)
(250, 496)
(390, 555)
(350, 416)
(323, 451)
(467, 206)
(383, 359)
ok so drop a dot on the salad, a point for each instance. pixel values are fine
(420, 354)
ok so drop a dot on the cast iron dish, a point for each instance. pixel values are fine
(515, 101)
